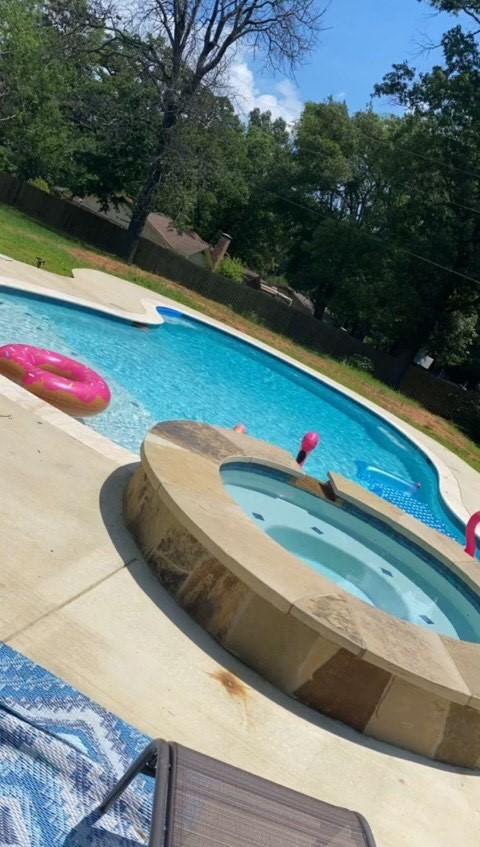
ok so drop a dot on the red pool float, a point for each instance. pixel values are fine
(63, 382)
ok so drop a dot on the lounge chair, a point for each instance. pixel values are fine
(201, 802)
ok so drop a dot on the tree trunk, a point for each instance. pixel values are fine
(142, 208)
(144, 202)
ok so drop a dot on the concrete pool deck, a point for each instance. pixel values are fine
(92, 289)
(79, 599)
(459, 483)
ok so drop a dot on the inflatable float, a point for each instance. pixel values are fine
(471, 538)
(63, 382)
(310, 442)
(377, 477)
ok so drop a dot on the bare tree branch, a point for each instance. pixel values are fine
(183, 46)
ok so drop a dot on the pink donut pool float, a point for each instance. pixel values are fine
(63, 382)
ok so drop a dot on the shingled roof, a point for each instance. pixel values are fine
(186, 242)
(158, 228)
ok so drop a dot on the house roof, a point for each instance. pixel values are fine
(119, 214)
(185, 242)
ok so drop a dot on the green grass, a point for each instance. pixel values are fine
(26, 240)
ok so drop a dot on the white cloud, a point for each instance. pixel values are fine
(284, 102)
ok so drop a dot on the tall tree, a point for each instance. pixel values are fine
(341, 191)
(184, 45)
(47, 57)
(258, 223)
(438, 175)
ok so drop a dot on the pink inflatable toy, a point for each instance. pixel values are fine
(471, 538)
(63, 382)
(310, 441)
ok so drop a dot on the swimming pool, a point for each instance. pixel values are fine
(185, 369)
(356, 552)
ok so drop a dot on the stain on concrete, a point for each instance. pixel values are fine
(231, 684)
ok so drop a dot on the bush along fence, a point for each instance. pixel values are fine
(443, 398)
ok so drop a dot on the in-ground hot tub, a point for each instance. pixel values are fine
(356, 552)
(332, 594)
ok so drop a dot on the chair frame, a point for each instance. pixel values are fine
(157, 760)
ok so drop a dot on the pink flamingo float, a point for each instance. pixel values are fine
(310, 441)
(471, 538)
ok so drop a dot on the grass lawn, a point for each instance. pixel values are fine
(26, 240)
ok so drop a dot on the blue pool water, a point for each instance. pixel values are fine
(356, 553)
(184, 369)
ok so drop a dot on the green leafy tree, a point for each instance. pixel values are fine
(258, 221)
(342, 194)
(35, 138)
(437, 185)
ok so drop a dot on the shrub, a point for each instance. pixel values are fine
(363, 363)
(41, 184)
(466, 414)
(232, 269)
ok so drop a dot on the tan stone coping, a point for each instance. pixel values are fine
(384, 676)
(143, 311)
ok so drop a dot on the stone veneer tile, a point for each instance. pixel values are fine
(346, 688)
(284, 650)
(410, 718)
(136, 494)
(467, 660)
(461, 740)
(213, 596)
(166, 544)
(170, 575)
(332, 616)
(199, 438)
(320, 652)
(410, 652)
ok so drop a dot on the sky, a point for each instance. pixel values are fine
(361, 41)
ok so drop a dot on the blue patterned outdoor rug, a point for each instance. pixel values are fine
(59, 755)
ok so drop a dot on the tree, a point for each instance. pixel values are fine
(440, 184)
(206, 169)
(456, 7)
(342, 190)
(34, 137)
(184, 44)
(48, 55)
(258, 222)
